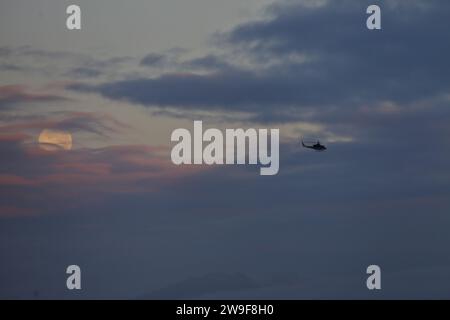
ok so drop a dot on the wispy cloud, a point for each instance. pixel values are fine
(18, 94)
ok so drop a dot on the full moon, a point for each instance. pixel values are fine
(55, 140)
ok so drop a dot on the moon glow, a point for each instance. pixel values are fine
(52, 140)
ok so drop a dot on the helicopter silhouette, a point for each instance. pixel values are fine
(317, 147)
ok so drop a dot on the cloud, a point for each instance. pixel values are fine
(355, 204)
(209, 62)
(310, 57)
(168, 58)
(11, 67)
(84, 72)
(16, 94)
(94, 174)
(153, 59)
(382, 198)
(91, 174)
(5, 52)
(71, 64)
(11, 211)
(345, 61)
(75, 121)
(188, 90)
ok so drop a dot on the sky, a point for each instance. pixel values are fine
(141, 227)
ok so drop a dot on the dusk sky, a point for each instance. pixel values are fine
(86, 176)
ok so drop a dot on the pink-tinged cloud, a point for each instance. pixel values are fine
(37, 177)
(14, 180)
(13, 137)
(12, 211)
(91, 168)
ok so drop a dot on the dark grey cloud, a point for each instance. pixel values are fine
(153, 59)
(167, 59)
(345, 65)
(236, 90)
(402, 62)
(209, 62)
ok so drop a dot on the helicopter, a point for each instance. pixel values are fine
(317, 147)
